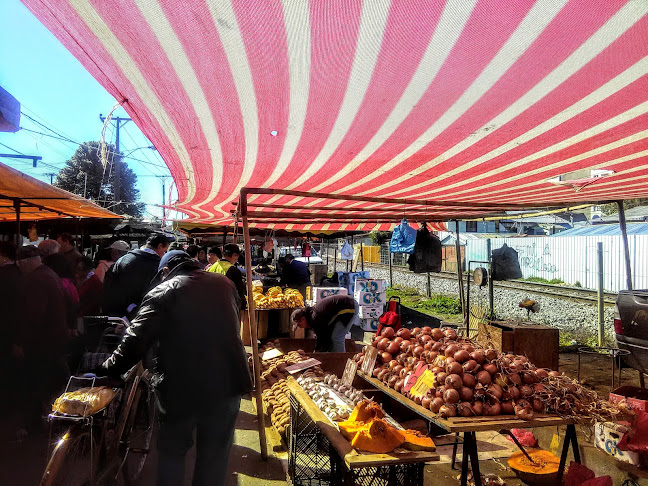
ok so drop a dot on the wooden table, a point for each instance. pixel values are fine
(470, 425)
(351, 457)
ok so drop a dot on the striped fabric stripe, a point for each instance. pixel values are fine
(480, 102)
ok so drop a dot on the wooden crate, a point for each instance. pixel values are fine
(536, 342)
(262, 326)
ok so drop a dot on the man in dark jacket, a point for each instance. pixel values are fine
(9, 284)
(296, 275)
(331, 319)
(42, 334)
(130, 277)
(194, 316)
(227, 266)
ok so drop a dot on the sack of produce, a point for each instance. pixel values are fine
(427, 256)
(403, 238)
(505, 264)
(84, 401)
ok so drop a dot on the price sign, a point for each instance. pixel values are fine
(413, 377)
(309, 363)
(349, 372)
(369, 361)
(423, 384)
(271, 353)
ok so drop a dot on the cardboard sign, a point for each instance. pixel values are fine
(369, 361)
(423, 384)
(369, 285)
(271, 353)
(349, 372)
(371, 311)
(320, 293)
(369, 325)
(309, 363)
(371, 298)
(412, 378)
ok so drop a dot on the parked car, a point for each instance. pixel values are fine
(631, 327)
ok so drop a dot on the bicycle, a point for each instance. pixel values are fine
(110, 444)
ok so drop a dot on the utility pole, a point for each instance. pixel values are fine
(33, 158)
(119, 121)
(51, 176)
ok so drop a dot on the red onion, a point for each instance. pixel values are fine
(514, 391)
(426, 330)
(492, 408)
(462, 356)
(448, 411)
(466, 394)
(376, 370)
(437, 334)
(539, 388)
(382, 374)
(490, 354)
(478, 355)
(397, 369)
(436, 404)
(426, 401)
(441, 377)
(523, 403)
(450, 334)
(451, 396)
(454, 369)
(392, 348)
(404, 345)
(403, 373)
(387, 332)
(398, 386)
(515, 379)
(464, 409)
(491, 368)
(529, 378)
(469, 380)
(437, 346)
(495, 391)
(478, 408)
(438, 369)
(404, 333)
(454, 381)
(416, 331)
(432, 356)
(507, 408)
(541, 373)
(484, 377)
(417, 350)
(470, 365)
(500, 379)
(392, 364)
(427, 346)
(538, 405)
(392, 381)
(526, 391)
(417, 400)
(524, 413)
(554, 374)
(425, 338)
(382, 344)
(398, 340)
(386, 357)
(451, 350)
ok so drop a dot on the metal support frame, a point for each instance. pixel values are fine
(253, 326)
(17, 209)
(626, 248)
(462, 296)
(491, 292)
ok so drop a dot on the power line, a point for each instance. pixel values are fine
(7, 146)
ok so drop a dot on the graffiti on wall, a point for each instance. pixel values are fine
(535, 256)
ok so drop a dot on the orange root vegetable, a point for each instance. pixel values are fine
(379, 437)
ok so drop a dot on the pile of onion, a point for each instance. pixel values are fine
(471, 380)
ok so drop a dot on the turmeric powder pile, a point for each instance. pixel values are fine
(367, 431)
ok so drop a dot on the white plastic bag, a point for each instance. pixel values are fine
(346, 252)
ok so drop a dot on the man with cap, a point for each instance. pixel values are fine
(331, 319)
(296, 275)
(130, 277)
(227, 266)
(201, 364)
(114, 252)
(69, 251)
(41, 335)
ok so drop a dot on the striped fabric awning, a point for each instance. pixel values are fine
(479, 102)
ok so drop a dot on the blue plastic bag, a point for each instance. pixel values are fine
(403, 238)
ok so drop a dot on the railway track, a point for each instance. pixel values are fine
(573, 294)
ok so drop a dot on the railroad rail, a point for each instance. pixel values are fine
(566, 292)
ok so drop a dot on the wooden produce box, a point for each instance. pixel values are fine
(262, 326)
(308, 345)
(538, 343)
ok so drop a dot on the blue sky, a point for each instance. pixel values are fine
(55, 89)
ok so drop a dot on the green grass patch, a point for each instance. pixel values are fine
(439, 305)
(580, 339)
(553, 281)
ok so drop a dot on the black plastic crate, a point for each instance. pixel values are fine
(313, 461)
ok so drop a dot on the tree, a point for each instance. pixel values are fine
(612, 208)
(85, 175)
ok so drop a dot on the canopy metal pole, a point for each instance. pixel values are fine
(335, 256)
(491, 297)
(327, 254)
(626, 248)
(253, 329)
(601, 297)
(352, 253)
(391, 272)
(16, 205)
(361, 257)
(462, 296)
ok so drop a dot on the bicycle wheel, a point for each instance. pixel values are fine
(138, 433)
(72, 460)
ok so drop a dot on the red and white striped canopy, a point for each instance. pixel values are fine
(479, 102)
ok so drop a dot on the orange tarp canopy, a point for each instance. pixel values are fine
(39, 200)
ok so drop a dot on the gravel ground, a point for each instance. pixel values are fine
(578, 318)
